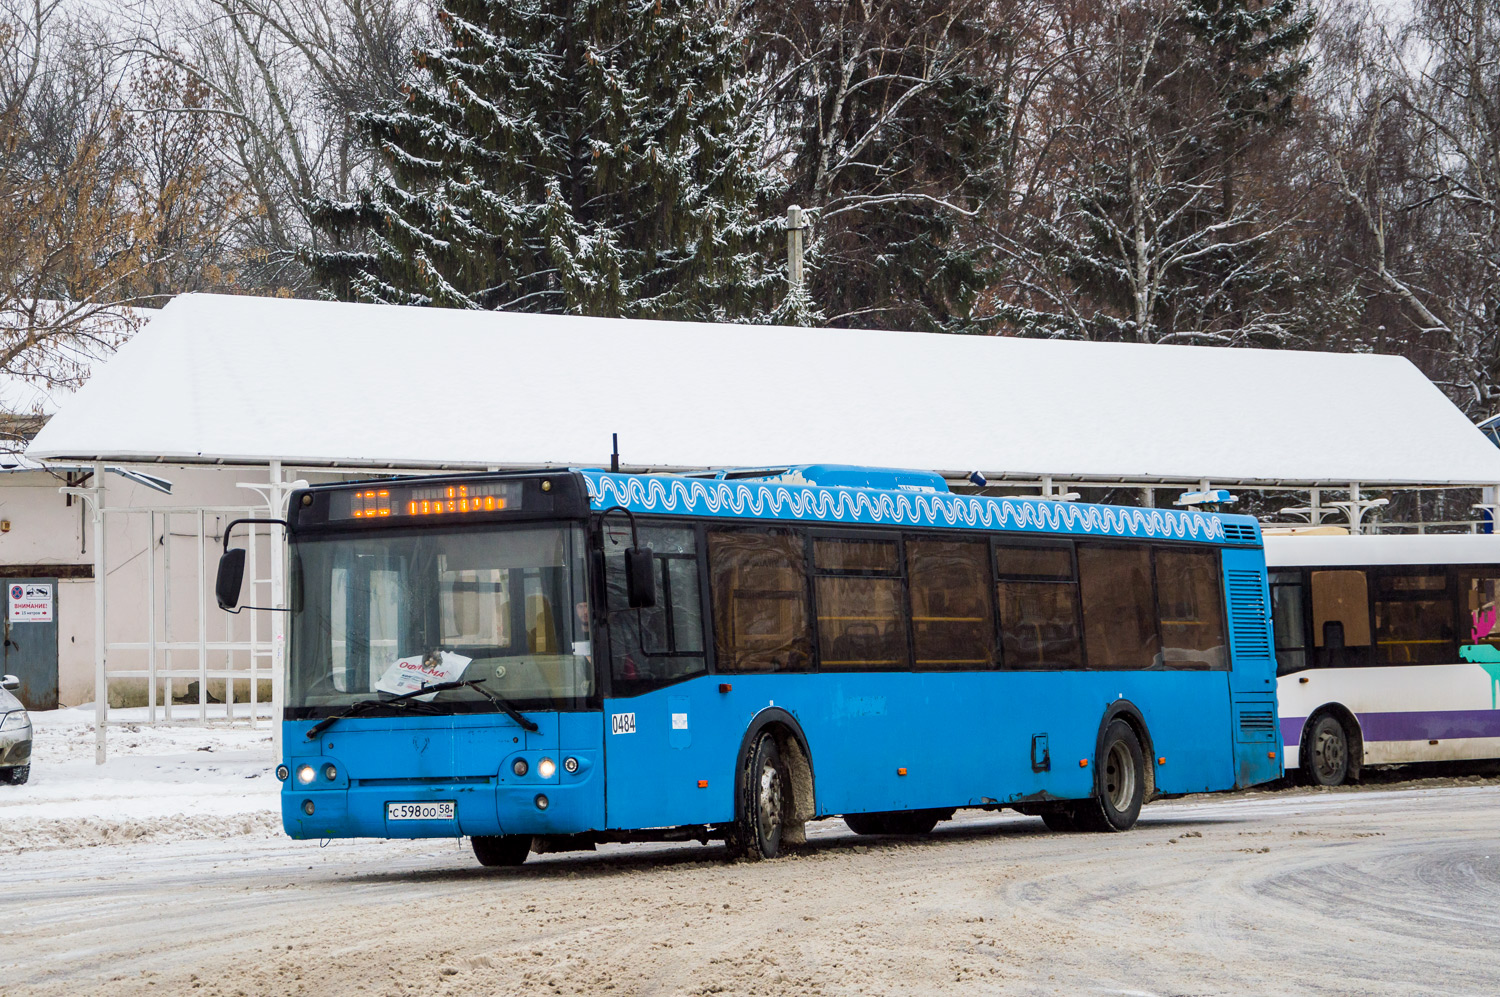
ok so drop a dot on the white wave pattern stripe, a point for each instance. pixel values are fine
(767, 500)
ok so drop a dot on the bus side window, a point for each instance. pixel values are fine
(1479, 597)
(653, 647)
(759, 586)
(1341, 618)
(861, 621)
(1413, 618)
(1119, 620)
(1038, 600)
(950, 603)
(1289, 621)
(1190, 606)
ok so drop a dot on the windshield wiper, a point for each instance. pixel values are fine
(500, 701)
(407, 700)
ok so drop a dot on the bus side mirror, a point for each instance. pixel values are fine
(640, 577)
(231, 577)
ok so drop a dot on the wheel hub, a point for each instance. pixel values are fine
(1119, 777)
(1330, 753)
(769, 802)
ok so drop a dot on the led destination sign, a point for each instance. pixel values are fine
(408, 501)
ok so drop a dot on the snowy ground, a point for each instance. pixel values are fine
(165, 872)
(1386, 893)
(161, 782)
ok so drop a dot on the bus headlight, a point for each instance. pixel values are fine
(330, 773)
(546, 768)
(519, 766)
(305, 774)
(570, 765)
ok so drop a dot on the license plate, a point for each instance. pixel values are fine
(434, 810)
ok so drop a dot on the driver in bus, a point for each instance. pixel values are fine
(583, 644)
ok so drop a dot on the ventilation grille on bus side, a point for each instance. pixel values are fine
(1239, 534)
(1248, 621)
(1256, 721)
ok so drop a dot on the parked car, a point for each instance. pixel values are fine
(15, 735)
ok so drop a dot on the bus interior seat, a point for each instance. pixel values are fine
(541, 634)
(1333, 634)
(858, 642)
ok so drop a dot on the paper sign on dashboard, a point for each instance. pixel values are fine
(411, 673)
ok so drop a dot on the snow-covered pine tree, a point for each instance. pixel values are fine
(572, 156)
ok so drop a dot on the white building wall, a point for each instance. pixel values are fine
(75, 642)
(44, 528)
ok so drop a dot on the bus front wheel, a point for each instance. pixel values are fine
(1119, 782)
(767, 801)
(501, 849)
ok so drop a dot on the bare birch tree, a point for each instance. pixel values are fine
(286, 78)
(1155, 228)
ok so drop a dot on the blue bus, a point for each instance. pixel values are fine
(545, 661)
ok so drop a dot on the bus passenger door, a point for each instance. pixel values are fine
(663, 713)
(1252, 676)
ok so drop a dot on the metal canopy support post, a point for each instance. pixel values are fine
(203, 633)
(101, 686)
(1313, 510)
(151, 619)
(275, 493)
(1490, 504)
(94, 497)
(1055, 493)
(1356, 507)
(278, 620)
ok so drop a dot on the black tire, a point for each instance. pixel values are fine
(16, 776)
(501, 849)
(1060, 820)
(1325, 758)
(909, 822)
(1119, 782)
(866, 823)
(766, 804)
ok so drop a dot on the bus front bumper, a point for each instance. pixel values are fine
(372, 812)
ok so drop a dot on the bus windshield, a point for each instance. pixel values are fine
(383, 613)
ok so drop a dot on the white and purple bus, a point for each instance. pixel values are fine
(1387, 650)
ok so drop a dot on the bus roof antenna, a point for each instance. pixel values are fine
(614, 458)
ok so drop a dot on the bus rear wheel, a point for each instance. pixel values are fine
(501, 849)
(1119, 782)
(1327, 756)
(763, 812)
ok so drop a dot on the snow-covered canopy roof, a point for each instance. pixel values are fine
(247, 380)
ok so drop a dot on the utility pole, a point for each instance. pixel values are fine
(794, 230)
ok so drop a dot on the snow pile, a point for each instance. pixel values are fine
(160, 783)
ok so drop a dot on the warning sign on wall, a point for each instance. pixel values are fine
(30, 603)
